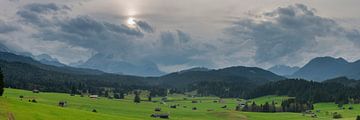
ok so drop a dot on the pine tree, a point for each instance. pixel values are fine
(273, 107)
(121, 96)
(266, 107)
(73, 91)
(137, 97)
(106, 93)
(116, 96)
(149, 98)
(1, 83)
(253, 107)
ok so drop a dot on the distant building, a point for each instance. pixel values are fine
(93, 96)
(165, 116)
(36, 91)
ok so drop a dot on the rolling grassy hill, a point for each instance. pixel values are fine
(80, 108)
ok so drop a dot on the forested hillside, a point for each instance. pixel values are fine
(311, 91)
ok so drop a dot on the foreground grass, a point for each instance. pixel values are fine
(80, 108)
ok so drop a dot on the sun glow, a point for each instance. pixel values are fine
(131, 21)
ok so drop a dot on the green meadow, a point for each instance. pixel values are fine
(80, 108)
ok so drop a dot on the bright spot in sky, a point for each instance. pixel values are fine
(131, 21)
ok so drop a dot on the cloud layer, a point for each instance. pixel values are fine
(286, 33)
(290, 34)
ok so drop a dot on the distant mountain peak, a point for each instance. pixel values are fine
(47, 59)
(329, 59)
(3, 48)
(283, 70)
(108, 64)
(322, 68)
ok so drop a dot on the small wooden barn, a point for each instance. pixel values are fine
(164, 115)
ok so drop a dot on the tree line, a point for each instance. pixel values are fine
(289, 105)
(309, 91)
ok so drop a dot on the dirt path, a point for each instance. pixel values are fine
(5, 113)
(230, 115)
(11, 116)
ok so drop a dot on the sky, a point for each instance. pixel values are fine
(181, 34)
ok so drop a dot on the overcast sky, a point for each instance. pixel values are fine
(180, 34)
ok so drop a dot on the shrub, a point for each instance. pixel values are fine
(337, 116)
(358, 117)
(137, 98)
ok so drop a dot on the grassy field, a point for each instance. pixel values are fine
(80, 108)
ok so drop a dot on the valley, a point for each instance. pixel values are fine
(80, 108)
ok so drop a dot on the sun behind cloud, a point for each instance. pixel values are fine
(131, 21)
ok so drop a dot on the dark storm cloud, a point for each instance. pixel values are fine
(276, 36)
(167, 38)
(145, 26)
(176, 47)
(40, 14)
(183, 37)
(170, 38)
(6, 27)
(101, 36)
(45, 8)
(284, 31)
(14, 0)
(53, 24)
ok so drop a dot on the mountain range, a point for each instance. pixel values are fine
(318, 69)
(322, 68)
(25, 70)
(107, 64)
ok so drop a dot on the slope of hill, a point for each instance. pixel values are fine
(240, 73)
(344, 81)
(195, 69)
(27, 76)
(305, 90)
(323, 68)
(10, 57)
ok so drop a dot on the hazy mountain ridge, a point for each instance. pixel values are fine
(47, 59)
(176, 79)
(10, 57)
(283, 70)
(106, 64)
(322, 68)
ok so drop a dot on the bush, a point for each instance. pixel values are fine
(337, 116)
(137, 97)
(358, 117)
(94, 110)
